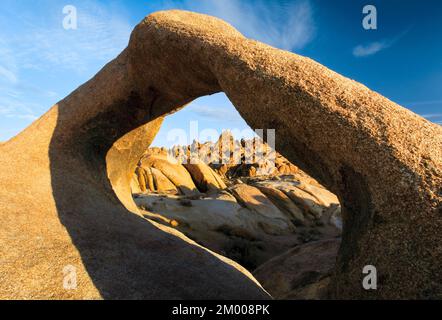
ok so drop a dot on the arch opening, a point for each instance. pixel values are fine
(224, 187)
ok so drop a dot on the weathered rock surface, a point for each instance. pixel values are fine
(76, 208)
(159, 173)
(302, 272)
(284, 203)
(240, 222)
(219, 223)
(144, 179)
(174, 172)
(204, 177)
(231, 158)
(256, 201)
(162, 183)
(303, 193)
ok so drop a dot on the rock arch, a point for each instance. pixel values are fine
(72, 170)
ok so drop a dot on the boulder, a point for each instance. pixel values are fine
(162, 183)
(140, 175)
(308, 202)
(219, 223)
(284, 203)
(322, 195)
(135, 186)
(175, 172)
(250, 197)
(302, 272)
(204, 177)
(150, 179)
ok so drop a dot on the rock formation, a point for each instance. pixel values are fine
(231, 158)
(159, 172)
(250, 221)
(255, 200)
(65, 196)
(284, 203)
(301, 273)
(205, 178)
(175, 173)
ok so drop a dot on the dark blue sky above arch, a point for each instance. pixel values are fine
(409, 71)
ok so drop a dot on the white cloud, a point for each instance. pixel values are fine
(371, 48)
(8, 75)
(432, 115)
(364, 50)
(8, 65)
(424, 103)
(29, 117)
(285, 25)
(42, 46)
(215, 113)
(12, 105)
(100, 37)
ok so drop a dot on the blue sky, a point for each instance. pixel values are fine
(41, 62)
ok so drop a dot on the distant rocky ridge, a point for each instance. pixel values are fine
(228, 157)
(248, 211)
(159, 172)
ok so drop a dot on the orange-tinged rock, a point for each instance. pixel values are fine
(76, 208)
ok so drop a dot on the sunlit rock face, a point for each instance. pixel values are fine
(248, 218)
(65, 197)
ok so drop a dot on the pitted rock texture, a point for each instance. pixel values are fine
(160, 172)
(300, 272)
(65, 195)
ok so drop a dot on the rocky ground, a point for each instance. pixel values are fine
(276, 221)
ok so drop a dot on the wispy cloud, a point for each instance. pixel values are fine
(13, 106)
(100, 36)
(432, 115)
(432, 106)
(8, 65)
(424, 103)
(287, 25)
(215, 113)
(32, 48)
(371, 48)
(8, 75)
